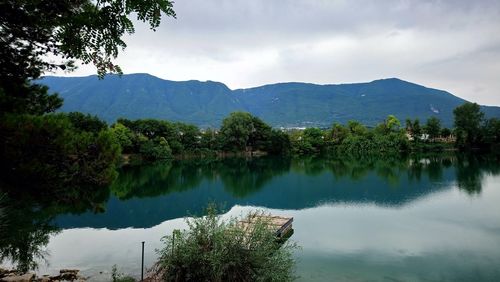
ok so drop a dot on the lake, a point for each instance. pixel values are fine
(419, 218)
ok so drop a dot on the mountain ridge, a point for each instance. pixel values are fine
(287, 104)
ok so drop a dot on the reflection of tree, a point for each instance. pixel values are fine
(388, 167)
(240, 176)
(28, 213)
(310, 165)
(435, 169)
(469, 174)
(431, 165)
(24, 235)
(243, 177)
(415, 169)
(161, 178)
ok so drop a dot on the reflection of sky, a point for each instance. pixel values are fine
(446, 235)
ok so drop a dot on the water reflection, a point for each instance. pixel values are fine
(471, 168)
(146, 196)
(27, 219)
(24, 235)
(149, 195)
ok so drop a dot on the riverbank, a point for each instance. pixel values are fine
(64, 275)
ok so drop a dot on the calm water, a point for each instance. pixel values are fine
(399, 219)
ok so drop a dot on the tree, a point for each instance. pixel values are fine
(155, 150)
(445, 132)
(33, 33)
(338, 133)
(433, 127)
(491, 132)
(260, 137)
(124, 136)
(314, 136)
(356, 128)
(280, 143)
(416, 130)
(48, 149)
(236, 130)
(392, 123)
(188, 136)
(87, 122)
(468, 119)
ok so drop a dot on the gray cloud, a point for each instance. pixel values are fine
(451, 45)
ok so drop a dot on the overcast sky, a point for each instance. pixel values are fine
(449, 45)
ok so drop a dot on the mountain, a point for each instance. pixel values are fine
(283, 104)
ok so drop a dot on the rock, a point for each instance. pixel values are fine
(74, 271)
(5, 272)
(68, 274)
(19, 278)
(44, 278)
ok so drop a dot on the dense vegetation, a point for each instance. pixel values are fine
(216, 250)
(78, 149)
(54, 150)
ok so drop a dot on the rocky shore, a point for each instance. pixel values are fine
(16, 276)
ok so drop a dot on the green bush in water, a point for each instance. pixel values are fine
(216, 250)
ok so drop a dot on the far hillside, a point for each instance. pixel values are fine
(205, 104)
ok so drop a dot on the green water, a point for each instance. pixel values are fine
(375, 219)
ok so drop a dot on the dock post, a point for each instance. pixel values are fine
(142, 263)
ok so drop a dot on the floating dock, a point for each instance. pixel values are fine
(280, 225)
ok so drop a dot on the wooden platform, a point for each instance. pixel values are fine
(281, 226)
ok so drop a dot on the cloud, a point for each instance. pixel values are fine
(450, 45)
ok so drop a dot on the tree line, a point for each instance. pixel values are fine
(75, 148)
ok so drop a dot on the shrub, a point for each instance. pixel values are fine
(159, 150)
(217, 250)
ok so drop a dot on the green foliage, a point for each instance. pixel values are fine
(445, 132)
(338, 134)
(433, 127)
(48, 149)
(356, 128)
(27, 98)
(83, 30)
(260, 136)
(86, 122)
(241, 132)
(217, 250)
(357, 139)
(210, 139)
(188, 136)
(491, 134)
(124, 137)
(95, 157)
(414, 129)
(35, 32)
(236, 130)
(158, 150)
(280, 143)
(468, 119)
(299, 145)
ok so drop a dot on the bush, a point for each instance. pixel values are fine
(159, 150)
(216, 250)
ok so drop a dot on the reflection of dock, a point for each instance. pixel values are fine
(279, 225)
